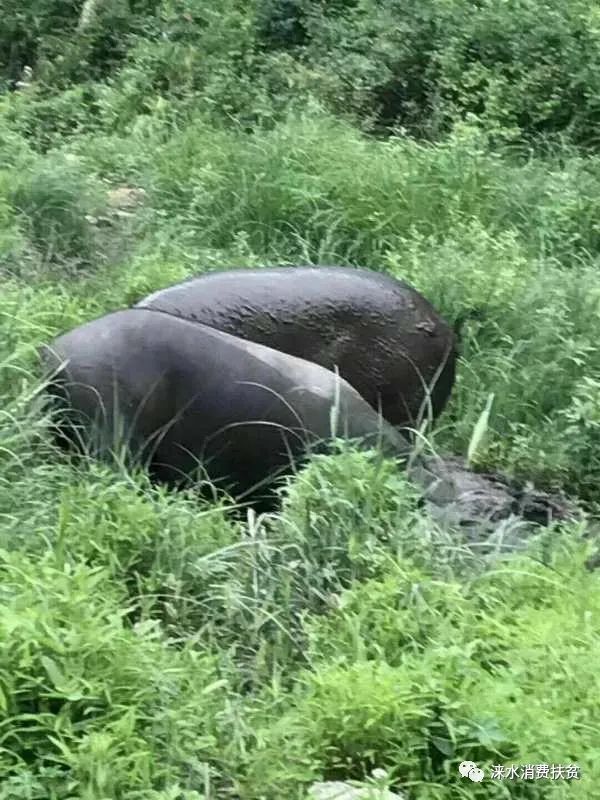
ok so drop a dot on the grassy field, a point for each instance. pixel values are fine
(155, 647)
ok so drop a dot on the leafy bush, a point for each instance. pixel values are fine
(25, 25)
(54, 200)
(525, 68)
(11, 242)
(80, 690)
(46, 121)
(390, 686)
(521, 71)
(65, 42)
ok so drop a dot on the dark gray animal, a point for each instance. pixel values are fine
(179, 393)
(384, 337)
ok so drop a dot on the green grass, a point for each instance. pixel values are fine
(156, 646)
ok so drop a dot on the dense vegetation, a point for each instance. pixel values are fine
(153, 646)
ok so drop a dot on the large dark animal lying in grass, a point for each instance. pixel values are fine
(384, 337)
(178, 393)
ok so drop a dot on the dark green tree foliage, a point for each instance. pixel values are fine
(525, 66)
(25, 26)
(49, 37)
(528, 67)
(522, 68)
(282, 23)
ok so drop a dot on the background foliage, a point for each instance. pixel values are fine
(155, 647)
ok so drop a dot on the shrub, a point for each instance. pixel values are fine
(54, 200)
(414, 674)
(522, 70)
(80, 690)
